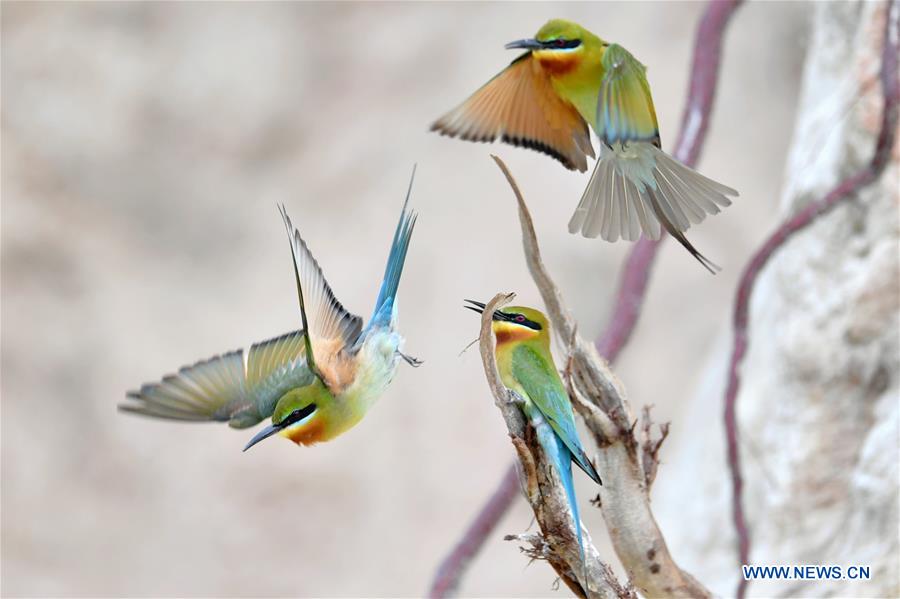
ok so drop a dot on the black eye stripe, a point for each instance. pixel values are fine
(522, 320)
(561, 44)
(532, 325)
(298, 415)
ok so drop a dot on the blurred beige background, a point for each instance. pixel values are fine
(144, 148)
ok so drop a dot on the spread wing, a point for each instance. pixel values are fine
(224, 389)
(541, 382)
(328, 320)
(521, 107)
(625, 107)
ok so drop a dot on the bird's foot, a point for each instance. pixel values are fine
(516, 399)
(414, 362)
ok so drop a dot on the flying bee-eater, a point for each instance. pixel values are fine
(526, 366)
(314, 383)
(567, 79)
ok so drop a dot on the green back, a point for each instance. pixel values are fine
(534, 370)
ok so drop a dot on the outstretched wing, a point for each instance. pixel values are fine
(328, 320)
(625, 107)
(521, 107)
(541, 382)
(223, 388)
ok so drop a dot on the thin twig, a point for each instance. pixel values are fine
(650, 447)
(632, 284)
(848, 188)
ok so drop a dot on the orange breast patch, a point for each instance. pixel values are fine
(507, 332)
(309, 433)
(558, 63)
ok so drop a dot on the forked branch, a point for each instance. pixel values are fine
(600, 398)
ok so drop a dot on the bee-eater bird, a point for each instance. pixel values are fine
(526, 366)
(314, 383)
(567, 79)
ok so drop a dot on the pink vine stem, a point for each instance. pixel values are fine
(632, 284)
(847, 188)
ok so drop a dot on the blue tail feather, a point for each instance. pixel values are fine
(384, 305)
(562, 458)
(565, 476)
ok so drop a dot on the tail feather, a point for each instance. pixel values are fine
(639, 188)
(565, 476)
(384, 305)
(562, 458)
(585, 464)
(708, 264)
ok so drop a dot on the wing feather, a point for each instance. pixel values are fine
(328, 319)
(521, 107)
(268, 356)
(223, 389)
(625, 109)
(542, 384)
(213, 389)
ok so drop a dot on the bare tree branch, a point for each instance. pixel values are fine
(847, 188)
(601, 400)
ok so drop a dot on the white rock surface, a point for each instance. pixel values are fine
(818, 408)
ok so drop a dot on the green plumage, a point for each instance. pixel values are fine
(625, 107)
(538, 378)
(526, 366)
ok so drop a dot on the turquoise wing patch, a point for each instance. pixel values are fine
(625, 107)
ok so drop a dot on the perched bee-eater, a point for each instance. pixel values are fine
(526, 366)
(315, 383)
(545, 99)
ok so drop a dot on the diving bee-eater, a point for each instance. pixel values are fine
(526, 366)
(315, 383)
(545, 99)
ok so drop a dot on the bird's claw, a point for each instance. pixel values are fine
(515, 398)
(414, 362)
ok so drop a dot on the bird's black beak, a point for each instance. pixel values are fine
(529, 44)
(479, 307)
(476, 307)
(263, 434)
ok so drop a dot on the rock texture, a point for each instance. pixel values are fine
(818, 410)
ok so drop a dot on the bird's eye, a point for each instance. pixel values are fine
(520, 318)
(561, 43)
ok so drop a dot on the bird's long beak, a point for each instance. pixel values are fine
(263, 434)
(529, 44)
(476, 307)
(479, 307)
